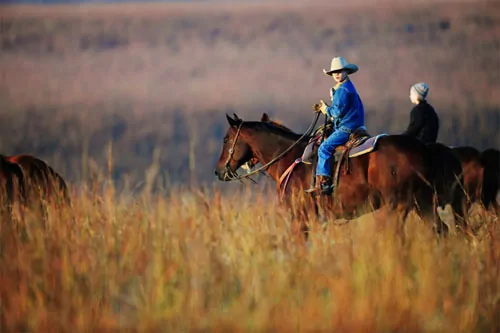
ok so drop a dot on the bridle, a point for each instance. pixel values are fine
(230, 175)
(233, 175)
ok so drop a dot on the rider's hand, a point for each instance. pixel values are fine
(322, 106)
(316, 108)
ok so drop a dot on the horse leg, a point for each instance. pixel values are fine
(302, 217)
(401, 202)
(323, 206)
(427, 210)
(432, 215)
(440, 227)
(375, 201)
(490, 199)
(460, 210)
(403, 209)
(298, 211)
(300, 229)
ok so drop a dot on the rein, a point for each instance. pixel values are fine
(234, 175)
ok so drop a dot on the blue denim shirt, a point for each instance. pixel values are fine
(346, 109)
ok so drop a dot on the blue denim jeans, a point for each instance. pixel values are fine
(326, 151)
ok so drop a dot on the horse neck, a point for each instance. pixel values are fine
(268, 145)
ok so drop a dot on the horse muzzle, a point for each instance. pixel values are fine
(225, 174)
(220, 174)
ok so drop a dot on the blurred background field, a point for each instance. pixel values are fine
(162, 75)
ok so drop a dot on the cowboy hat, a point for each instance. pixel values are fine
(339, 63)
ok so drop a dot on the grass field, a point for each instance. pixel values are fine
(127, 102)
(203, 261)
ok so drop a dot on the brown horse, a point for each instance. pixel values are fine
(446, 175)
(42, 182)
(481, 175)
(12, 183)
(393, 174)
(490, 159)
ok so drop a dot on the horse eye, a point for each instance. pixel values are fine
(226, 140)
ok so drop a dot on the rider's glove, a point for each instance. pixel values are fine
(323, 106)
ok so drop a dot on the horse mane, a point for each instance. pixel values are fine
(274, 128)
(278, 124)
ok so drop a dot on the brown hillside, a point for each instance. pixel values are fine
(164, 74)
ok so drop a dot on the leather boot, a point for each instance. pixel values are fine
(326, 185)
(323, 186)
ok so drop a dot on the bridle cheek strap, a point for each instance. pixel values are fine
(231, 151)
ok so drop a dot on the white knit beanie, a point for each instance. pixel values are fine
(421, 89)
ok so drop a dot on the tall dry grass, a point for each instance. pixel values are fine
(202, 261)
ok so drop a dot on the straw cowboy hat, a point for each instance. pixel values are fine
(339, 63)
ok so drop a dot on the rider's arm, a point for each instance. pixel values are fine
(416, 123)
(340, 103)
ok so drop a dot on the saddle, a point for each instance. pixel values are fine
(356, 138)
(359, 143)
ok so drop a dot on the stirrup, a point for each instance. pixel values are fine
(323, 190)
(312, 189)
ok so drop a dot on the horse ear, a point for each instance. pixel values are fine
(265, 117)
(230, 120)
(236, 117)
(233, 122)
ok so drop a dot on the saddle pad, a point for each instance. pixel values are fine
(366, 147)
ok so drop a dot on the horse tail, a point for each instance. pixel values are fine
(490, 159)
(445, 174)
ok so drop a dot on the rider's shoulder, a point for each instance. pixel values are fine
(346, 88)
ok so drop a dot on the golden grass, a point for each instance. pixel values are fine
(202, 261)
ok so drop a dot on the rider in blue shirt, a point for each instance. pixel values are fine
(348, 114)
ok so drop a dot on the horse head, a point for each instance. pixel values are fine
(235, 151)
